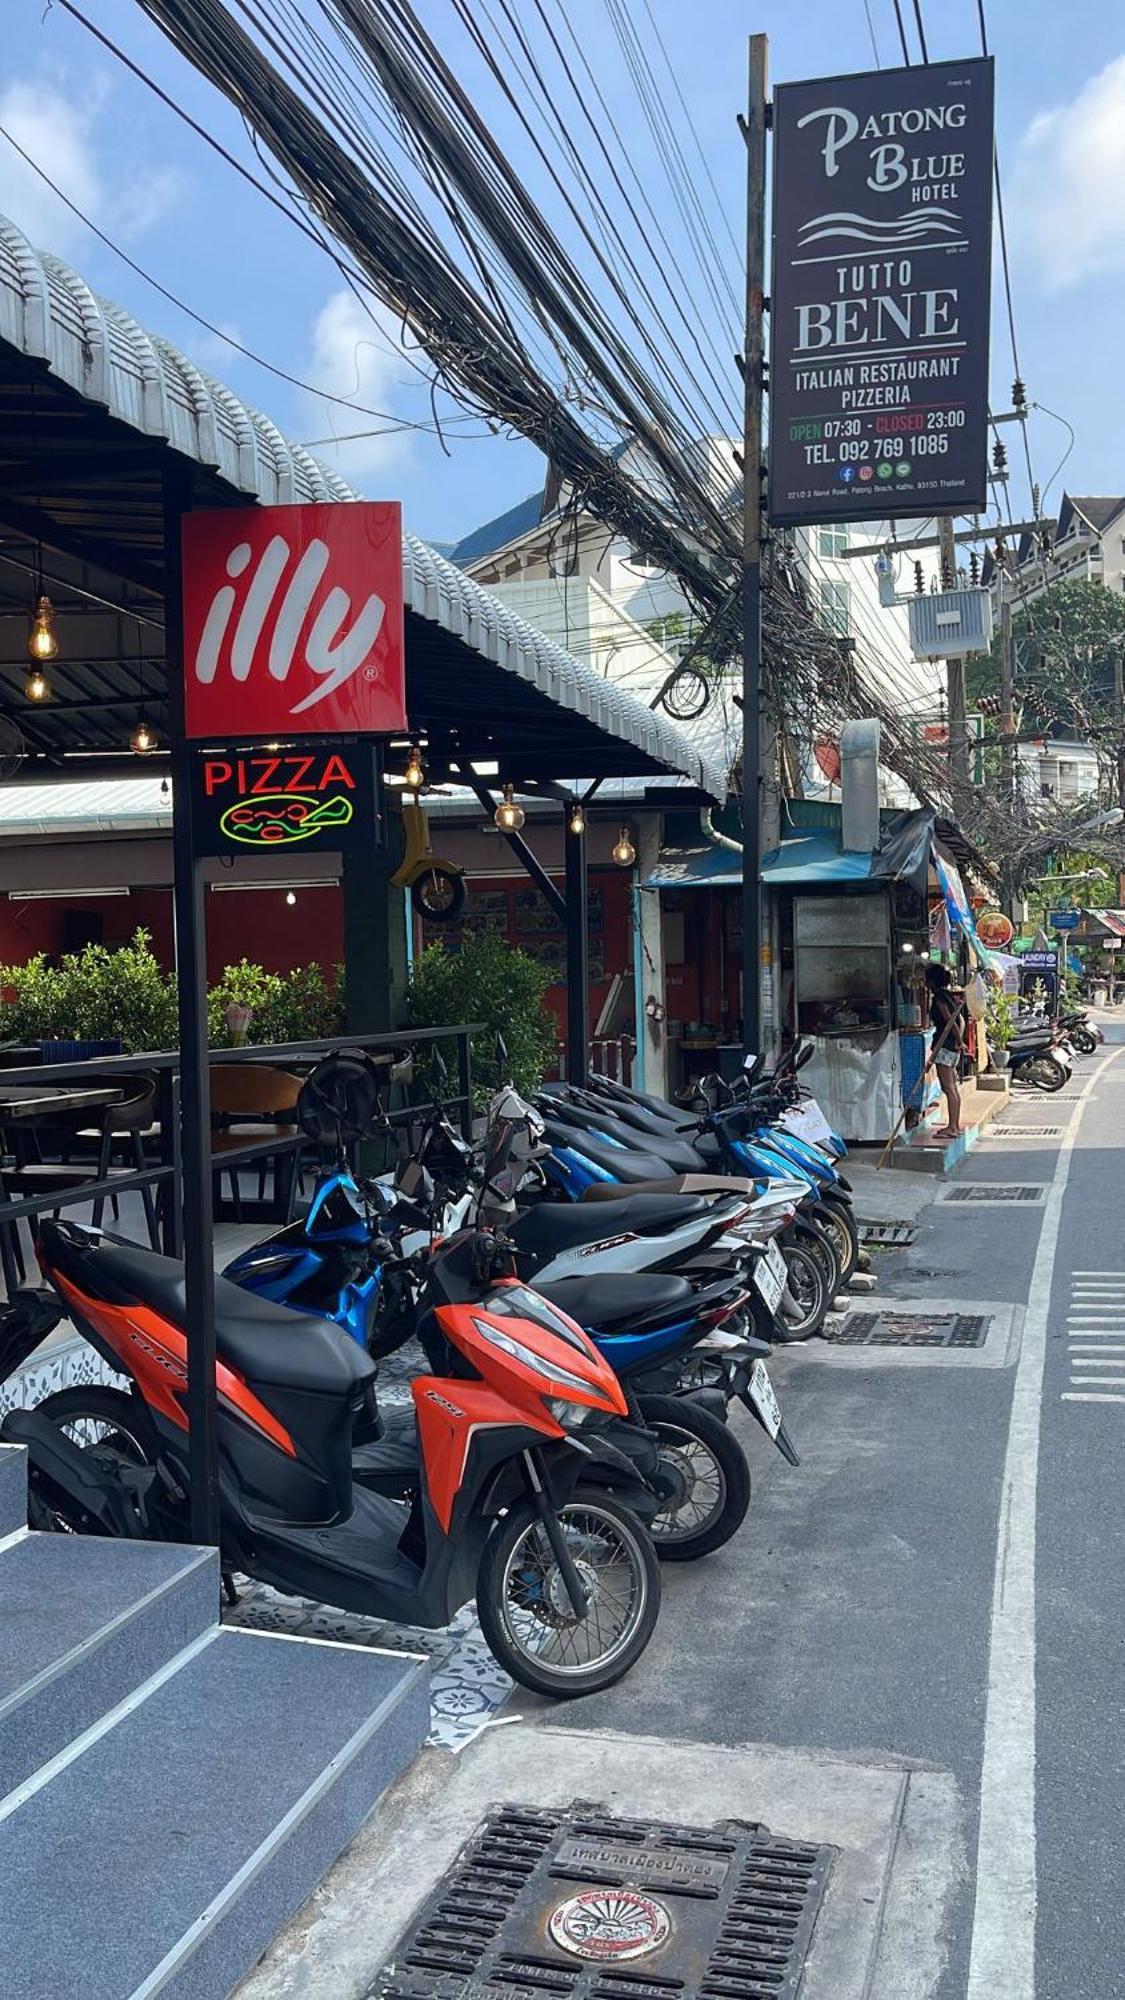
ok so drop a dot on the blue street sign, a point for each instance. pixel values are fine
(1065, 920)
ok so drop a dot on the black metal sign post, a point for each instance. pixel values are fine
(195, 1073)
(752, 472)
(577, 950)
(880, 298)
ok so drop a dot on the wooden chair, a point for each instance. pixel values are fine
(251, 1102)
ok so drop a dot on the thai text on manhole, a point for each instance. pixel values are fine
(884, 1329)
(582, 1907)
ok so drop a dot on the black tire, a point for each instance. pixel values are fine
(1084, 1042)
(102, 1420)
(694, 1437)
(496, 1594)
(809, 1286)
(438, 895)
(1045, 1073)
(838, 1222)
(807, 1230)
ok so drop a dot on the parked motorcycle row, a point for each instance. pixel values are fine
(580, 1297)
(1040, 1054)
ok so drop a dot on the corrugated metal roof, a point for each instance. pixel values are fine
(47, 312)
(106, 806)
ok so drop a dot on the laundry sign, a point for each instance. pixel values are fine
(293, 621)
(879, 311)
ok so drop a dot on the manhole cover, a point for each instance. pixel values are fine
(911, 1330)
(993, 1191)
(582, 1907)
(886, 1235)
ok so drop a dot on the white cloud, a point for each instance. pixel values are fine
(357, 353)
(76, 138)
(1067, 207)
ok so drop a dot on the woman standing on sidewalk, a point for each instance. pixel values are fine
(947, 1021)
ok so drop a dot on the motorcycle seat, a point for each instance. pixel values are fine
(267, 1344)
(674, 1149)
(616, 1299)
(620, 1162)
(552, 1227)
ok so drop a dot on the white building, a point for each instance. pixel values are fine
(1054, 768)
(1087, 545)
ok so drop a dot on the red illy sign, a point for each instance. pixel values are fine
(293, 621)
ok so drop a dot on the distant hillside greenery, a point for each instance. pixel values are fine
(1066, 643)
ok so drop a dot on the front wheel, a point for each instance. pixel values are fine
(839, 1224)
(1084, 1042)
(712, 1478)
(439, 894)
(1045, 1073)
(525, 1612)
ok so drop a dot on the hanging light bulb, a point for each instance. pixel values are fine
(509, 816)
(624, 852)
(37, 687)
(165, 789)
(577, 820)
(42, 643)
(291, 897)
(414, 775)
(143, 738)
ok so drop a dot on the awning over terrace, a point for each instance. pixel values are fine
(92, 408)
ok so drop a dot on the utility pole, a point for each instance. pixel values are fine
(954, 682)
(1007, 732)
(1119, 720)
(753, 386)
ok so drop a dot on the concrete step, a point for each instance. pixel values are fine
(83, 1622)
(13, 1488)
(163, 1854)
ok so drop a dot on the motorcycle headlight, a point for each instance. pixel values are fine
(571, 1416)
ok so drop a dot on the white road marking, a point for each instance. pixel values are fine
(1002, 1962)
(1087, 1396)
(1088, 1347)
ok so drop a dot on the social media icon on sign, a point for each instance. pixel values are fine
(866, 472)
(885, 470)
(903, 469)
(845, 473)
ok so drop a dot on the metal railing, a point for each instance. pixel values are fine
(165, 1173)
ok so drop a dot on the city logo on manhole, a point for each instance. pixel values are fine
(610, 1924)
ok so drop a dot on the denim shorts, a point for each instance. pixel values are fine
(946, 1059)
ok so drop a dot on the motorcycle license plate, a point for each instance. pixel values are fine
(763, 1398)
(771, 1277)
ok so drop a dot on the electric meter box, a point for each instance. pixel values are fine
(950, 623)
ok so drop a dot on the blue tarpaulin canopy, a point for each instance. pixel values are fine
(812, 858)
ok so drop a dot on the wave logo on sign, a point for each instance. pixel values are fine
(293, 619)
(333, 649)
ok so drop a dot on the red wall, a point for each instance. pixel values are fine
(257, 924)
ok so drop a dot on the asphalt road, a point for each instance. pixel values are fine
(860, 1609)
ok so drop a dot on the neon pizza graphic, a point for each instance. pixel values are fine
(281, 819)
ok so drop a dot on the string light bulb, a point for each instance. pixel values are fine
(509, 816)
(37, 687)
(414, 776)
(291, 897)
(624, 852)
(577, 820)
(42, 641)
(143, 738)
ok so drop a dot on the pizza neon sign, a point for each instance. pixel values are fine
(247, 802)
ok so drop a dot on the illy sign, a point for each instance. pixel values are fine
(293, 621)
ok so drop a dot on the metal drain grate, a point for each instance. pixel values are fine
(885, 1329)
(1028, 1131)
(886, 1235)
(582, 1907)
(993, 1191)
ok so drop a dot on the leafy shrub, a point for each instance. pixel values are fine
(91, 995)
(490, 981)
(99, 994)
(297, 1006)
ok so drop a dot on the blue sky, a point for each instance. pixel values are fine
(158, 192)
